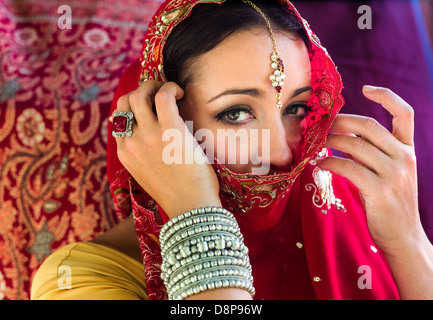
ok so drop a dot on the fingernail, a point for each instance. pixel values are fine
(369, 88)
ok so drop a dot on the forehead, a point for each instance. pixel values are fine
(243, 60)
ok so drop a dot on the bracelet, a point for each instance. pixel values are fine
(195, 212)
(188, 278)
(202, 244)
(203, 249)
(187, 219)
(189, 223)
(198, 240)
(210, 229)
(174, 261)
(173, 276)
(215, 283)
(176, 251)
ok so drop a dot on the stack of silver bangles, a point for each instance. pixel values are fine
(203, 249)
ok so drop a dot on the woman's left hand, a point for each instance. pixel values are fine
(382, 165)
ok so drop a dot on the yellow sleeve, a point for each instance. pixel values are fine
(89, 271)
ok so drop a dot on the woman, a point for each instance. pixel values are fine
(238, 66)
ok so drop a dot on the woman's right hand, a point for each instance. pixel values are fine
(177, 187)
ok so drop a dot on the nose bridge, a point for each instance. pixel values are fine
(280, 154)
(277, 132)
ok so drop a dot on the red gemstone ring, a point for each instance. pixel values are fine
(122, 124)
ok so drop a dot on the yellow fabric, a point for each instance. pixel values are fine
(89, 271)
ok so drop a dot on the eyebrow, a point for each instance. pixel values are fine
(255, 93)
(251, 92)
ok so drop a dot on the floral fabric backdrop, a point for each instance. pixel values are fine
(56, 87)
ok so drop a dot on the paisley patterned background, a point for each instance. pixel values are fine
(56, 88)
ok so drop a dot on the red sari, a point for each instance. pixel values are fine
(306, 230)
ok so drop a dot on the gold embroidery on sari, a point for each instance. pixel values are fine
(169, 18)
(253, 193)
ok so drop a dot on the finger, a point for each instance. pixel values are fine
(142, 101)
(402, 112)
(166, 106)
(121, 106)
(369, 129)
(359, 149)
(364, 179)
(350, 157)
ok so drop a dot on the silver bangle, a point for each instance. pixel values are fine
(214, 283)
(197, 245)
(188, 233)
(187, 279)
(202, 244)
(172, 276)
(195, 225)
(206, 273)
(189, 227)
(238, 257)
(203, 249)
(175, 246)
(195, 212)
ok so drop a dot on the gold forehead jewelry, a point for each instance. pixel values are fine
(277, 64)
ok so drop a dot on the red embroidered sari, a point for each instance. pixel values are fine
(306, 230)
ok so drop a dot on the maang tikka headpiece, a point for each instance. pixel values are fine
(278, 76)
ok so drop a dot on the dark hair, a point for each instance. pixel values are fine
(209, 24)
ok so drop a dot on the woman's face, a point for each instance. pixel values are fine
(230, 94)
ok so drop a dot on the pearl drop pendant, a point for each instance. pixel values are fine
(277, 77)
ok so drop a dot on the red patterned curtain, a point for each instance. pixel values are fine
(56, 87)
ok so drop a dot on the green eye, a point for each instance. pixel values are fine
(300, 110)
(233, 116)
(293, 110)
